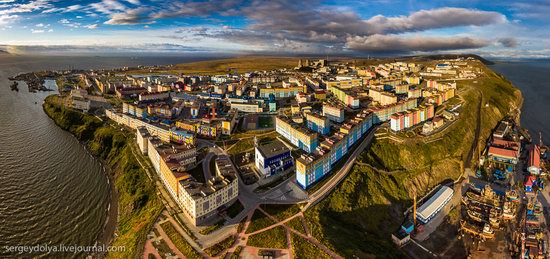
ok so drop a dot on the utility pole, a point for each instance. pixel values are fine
(414, 209)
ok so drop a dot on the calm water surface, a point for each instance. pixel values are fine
(531, 77)
(52, 191)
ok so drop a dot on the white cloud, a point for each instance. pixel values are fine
(91, 26)
(6, 19)
(108, 6)
(130, 17)
(31, 6)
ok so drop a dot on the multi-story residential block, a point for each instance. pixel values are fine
(414, 92)
(344, 83)
(318, 123)
(198, 200)
(171, 162)
(382, 97)
(347, 97)
(401, 121)
(142, 138)
(402, 88)
(154, 96)
(163, 132)
(298, 135)
(201, 201)
(252, 107)
(312, 167)
(333, 112)
(282, 92)
(127, 92)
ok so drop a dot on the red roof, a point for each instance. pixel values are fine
(534, 156)
(503, 152)
(529, 181)
(505, 143)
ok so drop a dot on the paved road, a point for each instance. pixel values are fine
(206, 164)
(468, 162)
(341, 174)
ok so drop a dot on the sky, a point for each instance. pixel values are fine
(517, 29)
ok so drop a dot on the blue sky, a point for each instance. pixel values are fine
(350, 27)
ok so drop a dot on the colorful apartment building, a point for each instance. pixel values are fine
(344, 84)
(199, 201)
(404, 120)
(383, 113)
(382, 97)
(282, 92)
(318, 123)
(333, 112)
(347, 97)
(312, 167)
(302, 137)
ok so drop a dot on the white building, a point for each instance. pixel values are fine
(333, 113)
(434, 204)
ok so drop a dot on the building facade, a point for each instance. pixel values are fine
(272, 158)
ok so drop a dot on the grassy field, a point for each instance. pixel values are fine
(259, 221)
(212, 228)
(303, 249)
(296, 224)
(237, 252)
(138, 203)
(220, 247)
(280, 211)
(357, 218)
(179, 241)
(238, 64)
(273, 238)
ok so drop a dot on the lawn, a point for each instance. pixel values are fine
(296, 224)
(163, 248)
(220, 247)
(305, 249)
(281, 211)
(237, 252)
(273, 238)
(178, 240)
(212, 228)
(259, 221)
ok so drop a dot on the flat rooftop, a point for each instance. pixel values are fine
(272, 149)
(435, 203)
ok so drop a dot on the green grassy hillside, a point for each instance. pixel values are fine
(357, 218)
(239, 64)
(138, 204)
